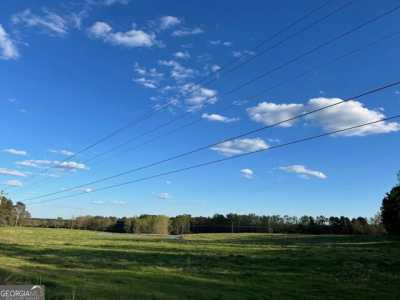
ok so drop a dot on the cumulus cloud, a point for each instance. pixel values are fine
(10, 172)
(303, 171)
(152, 72)
(240, 146)
(187, 31)
(167, 22)
(182, 55)
(271, 113)
(8, 49)
(65, 165)
(132, 38)
(178, 71)
(147, 77)
(13, 182)
(15, 152)
(218, 118)
(247, 173)
(62, 152)
(197, 96)
(348, 114)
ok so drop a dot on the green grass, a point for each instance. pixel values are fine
(93, 265)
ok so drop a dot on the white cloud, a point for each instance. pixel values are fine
(152, 72)
(303, 171)
(10, 172)
(167, 22)
(240, 146)
(182, 55)
(219, 42)
(15, 152)
(63, 152)
(196, 96)
(164, 196)
(187, 31)
(132, 38)
(271, 113)
(239, 54)
(215, 68)
(49, 22)
(348, 114)
(178, 71)
(344, 115)
(71, 165)
(149, 83)
(7, 46)
(247, 173)
(65, 165)
(147, 77)
(218, 118)
(100, 29)
(13, 182)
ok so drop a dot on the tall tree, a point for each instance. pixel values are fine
(390, 211)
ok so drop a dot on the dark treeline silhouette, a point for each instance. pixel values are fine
(217, 224)
(390, 209)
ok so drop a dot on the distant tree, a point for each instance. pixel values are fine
(180, 224)
(234, 220)
(20, 213)
(360, 226)
(7, 214)
(390, 211)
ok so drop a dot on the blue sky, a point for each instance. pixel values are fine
(74, 71)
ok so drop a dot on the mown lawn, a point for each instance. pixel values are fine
(76, 264)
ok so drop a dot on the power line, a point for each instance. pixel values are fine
(152, 112)
(270, 38)
(295, 34)
(262, 75)
(212, 162)
(130, 171)
(242, 63)
(254, 97)
(273, 70)
(110, 135)
(295, 59)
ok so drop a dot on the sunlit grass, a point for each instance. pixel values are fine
(94, 265)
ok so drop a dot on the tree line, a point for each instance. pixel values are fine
(386, 221)
(218, 223)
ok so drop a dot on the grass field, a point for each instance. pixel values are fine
(94, 265)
